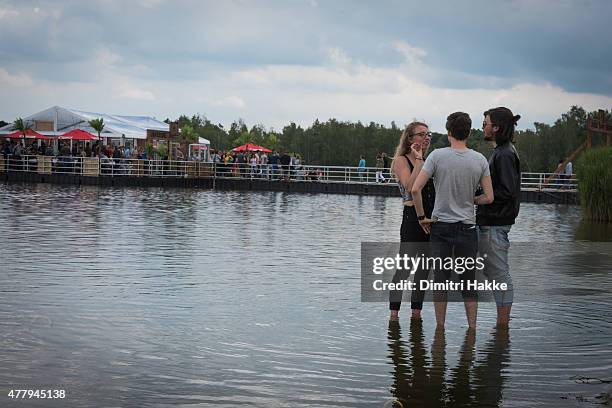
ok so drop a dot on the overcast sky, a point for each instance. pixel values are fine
(272, 62)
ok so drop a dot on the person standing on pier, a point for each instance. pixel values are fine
(386, 167)
(495, 219)
(254, 161)
(457, 172)
(285, 162)
(379, 169)
(406, 165)
(361, 167)
(568, 174)
(263, 162)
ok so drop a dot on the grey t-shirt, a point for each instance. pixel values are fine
(457, 175)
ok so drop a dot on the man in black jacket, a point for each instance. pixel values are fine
(495, 220)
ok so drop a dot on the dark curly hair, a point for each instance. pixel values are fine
(505, 120)
(459, 125)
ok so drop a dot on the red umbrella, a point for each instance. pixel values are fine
(78, 134)
(29, 135)
(251, 148)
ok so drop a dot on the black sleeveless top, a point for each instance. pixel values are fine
(428, 193)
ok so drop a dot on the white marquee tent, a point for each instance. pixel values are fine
(115, 126)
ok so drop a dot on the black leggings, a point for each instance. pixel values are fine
(410, 231)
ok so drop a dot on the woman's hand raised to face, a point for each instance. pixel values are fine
(416, 150)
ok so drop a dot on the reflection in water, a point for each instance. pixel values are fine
(380, 204)
(420, 380)
(488, 374)
(594, 231)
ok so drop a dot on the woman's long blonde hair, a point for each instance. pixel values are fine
(403, 147)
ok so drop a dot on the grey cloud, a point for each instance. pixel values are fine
(505, 43)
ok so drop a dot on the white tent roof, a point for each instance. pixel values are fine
(133, 127)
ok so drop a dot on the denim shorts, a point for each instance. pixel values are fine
(493, 241)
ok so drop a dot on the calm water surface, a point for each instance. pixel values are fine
(163, 297)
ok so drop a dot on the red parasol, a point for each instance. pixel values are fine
(30, 134)
(251, 148)
(78, 134)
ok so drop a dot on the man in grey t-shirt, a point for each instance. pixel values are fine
(457, 173)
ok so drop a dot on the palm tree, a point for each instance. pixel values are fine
(189, 133)
(22, 126)
(97, 125)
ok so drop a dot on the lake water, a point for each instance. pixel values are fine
(168, 297)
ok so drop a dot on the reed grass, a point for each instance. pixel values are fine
(594, 172)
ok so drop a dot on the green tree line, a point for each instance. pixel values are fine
(335, 143)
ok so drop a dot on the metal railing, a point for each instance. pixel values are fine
(105, 166)
(117, 167)
(328, 174)
(548, 182)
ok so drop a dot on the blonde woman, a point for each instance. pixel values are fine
(407, 163)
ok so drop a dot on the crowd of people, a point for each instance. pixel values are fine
(16, 148)
(260, 164)
(254, 164)
(67, 157)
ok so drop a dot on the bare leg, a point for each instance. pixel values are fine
(416, 313)
(394, 316)
(503, 315)
(471, 308)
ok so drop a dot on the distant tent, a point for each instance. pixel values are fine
(115, 126)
